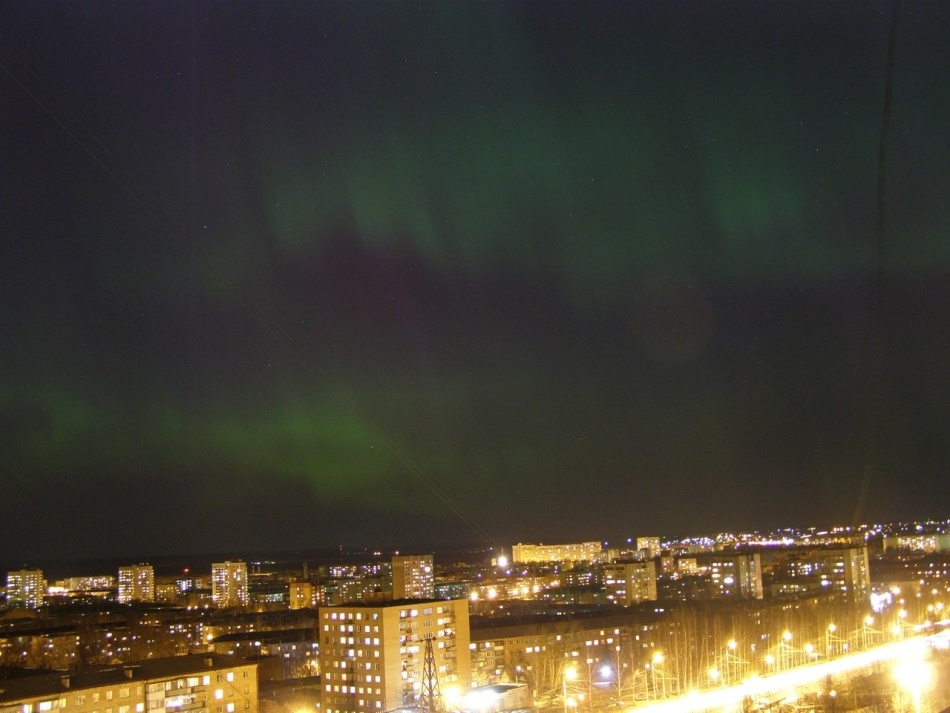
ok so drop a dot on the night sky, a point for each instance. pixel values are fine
(285, 275)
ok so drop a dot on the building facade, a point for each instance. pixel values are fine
(736, 576)
(536, 652)
(205, 683)
(229, 584)
(930, 542)
(843, 570)
(630, 582)
(301, 595)
(413, 577)
(649, 547)
(26, 588)
(372, 656)
(136, 583)
(577, 552)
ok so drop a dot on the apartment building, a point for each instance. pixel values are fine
(229, 584)
(136, 583)
(630, 582)
(413, 577)
(205, 683)
(372, 655)
(26, 588)
(576, 552)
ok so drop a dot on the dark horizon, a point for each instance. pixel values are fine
(445, 553)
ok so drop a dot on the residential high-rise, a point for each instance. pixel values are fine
(413, 577)
(371, 655)
(300, 595)
(26, 588)
(630, 582)
(136, 583)
(229, 584)
(735, 575)
(649, 547)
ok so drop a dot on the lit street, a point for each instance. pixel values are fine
(786, 686)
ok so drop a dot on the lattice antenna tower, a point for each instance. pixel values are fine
(431, 699)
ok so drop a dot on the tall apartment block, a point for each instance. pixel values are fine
(229, 584)
(649, 547)
(413, 577)
(26, 588)
(372, 655)
(300, 595)
(137, 583)
(630, 582)
(735, 575)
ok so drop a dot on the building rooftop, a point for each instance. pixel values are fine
(57, 683)
(277, 636)
(389, 603)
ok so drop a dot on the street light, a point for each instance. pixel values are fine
(657, 660)
(570, 673)
(731, 648)
(868, 620)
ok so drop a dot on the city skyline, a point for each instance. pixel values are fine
(297, 275)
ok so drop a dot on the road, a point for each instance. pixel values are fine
(784, 684)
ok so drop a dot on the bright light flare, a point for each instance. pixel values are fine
(480, 699)
(786, 681)
(913, 674)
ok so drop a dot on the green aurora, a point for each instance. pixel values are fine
(576, 271)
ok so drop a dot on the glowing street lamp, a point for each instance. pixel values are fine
(657, 661)
(731, 646)
(868, 621)
(570, 674)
